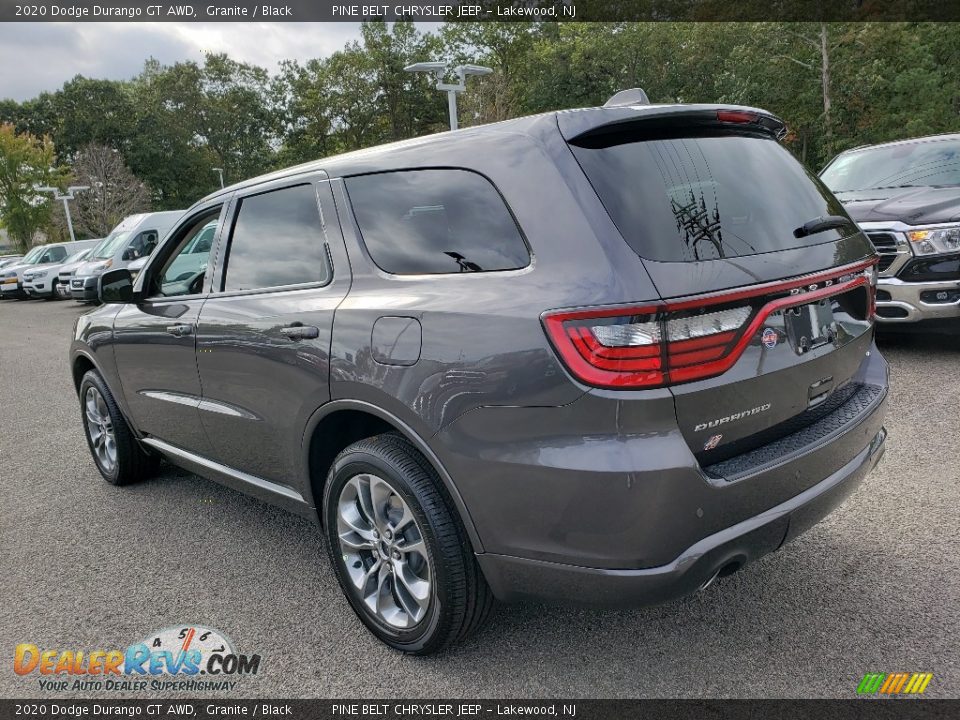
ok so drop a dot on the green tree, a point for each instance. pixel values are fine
(26, 163)
(359, 96)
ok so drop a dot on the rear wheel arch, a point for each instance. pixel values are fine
(341, 423)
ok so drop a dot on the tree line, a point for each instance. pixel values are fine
(837, 85)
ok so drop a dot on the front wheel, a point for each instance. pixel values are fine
(400, 552)
(116, 452)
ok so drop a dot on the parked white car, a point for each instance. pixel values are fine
(44, 281)
(62, 287)
(11, 277)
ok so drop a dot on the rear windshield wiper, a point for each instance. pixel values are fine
(824, 222)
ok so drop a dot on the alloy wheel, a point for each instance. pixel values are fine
(100, 429)
(383, 550)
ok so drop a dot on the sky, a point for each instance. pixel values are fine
(41, 56)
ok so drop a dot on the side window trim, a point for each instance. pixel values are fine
(315, 181)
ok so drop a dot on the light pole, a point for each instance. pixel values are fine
(219, 172)
(66, 197)
(439, 70)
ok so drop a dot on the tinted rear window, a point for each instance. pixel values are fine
(922, 163)
(702, 198)
(435, 221)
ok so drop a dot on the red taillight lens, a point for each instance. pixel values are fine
(689, 339)
(737, 116)
(609, 348)
(636, 347)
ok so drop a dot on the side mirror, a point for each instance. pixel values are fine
(129, 254)
(116, 286)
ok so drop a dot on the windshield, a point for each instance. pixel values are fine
(77, 257)
(31, 257)
(932, 162)
(681, 199)
(109, 246)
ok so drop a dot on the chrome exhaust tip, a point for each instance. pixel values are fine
(709, 582)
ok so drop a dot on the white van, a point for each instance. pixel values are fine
(136, 236)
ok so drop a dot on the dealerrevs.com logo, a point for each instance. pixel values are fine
(185, 658)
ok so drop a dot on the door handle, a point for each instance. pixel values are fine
(301, 332)
(179, 330)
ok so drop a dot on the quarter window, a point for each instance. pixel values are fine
(277, 240)
(435, 221)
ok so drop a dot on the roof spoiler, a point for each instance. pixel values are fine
(622, 123)
(624, 98)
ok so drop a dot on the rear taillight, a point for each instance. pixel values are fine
(642, 347)
(655, 345)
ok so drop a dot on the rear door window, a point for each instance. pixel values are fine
(435, 221)
(677, 199)
(277, 240)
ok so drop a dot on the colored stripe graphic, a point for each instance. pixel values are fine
(894, 683)
(871, 683)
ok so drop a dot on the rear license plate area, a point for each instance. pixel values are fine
(810, 326)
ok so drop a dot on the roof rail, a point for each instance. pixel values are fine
(633, 96)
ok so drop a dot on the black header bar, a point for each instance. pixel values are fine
(201, 709)
(477, 10)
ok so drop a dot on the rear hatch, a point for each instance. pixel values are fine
(766, 286)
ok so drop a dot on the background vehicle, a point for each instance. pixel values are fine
(906, 197)
(8, 260)
(45, 281)
(62, 286)
(39, 258)
(136, 236)
(653, 370)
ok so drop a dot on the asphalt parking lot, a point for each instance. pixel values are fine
(874, 588)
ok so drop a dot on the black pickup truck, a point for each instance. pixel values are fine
(905, 195)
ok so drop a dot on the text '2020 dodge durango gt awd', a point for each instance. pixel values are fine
(600, 356)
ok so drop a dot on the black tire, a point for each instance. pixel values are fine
(460, 600)
(132, 463)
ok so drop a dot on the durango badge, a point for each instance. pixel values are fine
(731, 418)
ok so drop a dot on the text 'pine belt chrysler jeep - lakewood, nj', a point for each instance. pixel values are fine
(905, 196)
(600, 356)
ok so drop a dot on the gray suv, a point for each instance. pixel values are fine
(600, 356)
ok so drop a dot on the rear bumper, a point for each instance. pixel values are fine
(912, 302)
(602, 501)
(514, 579)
